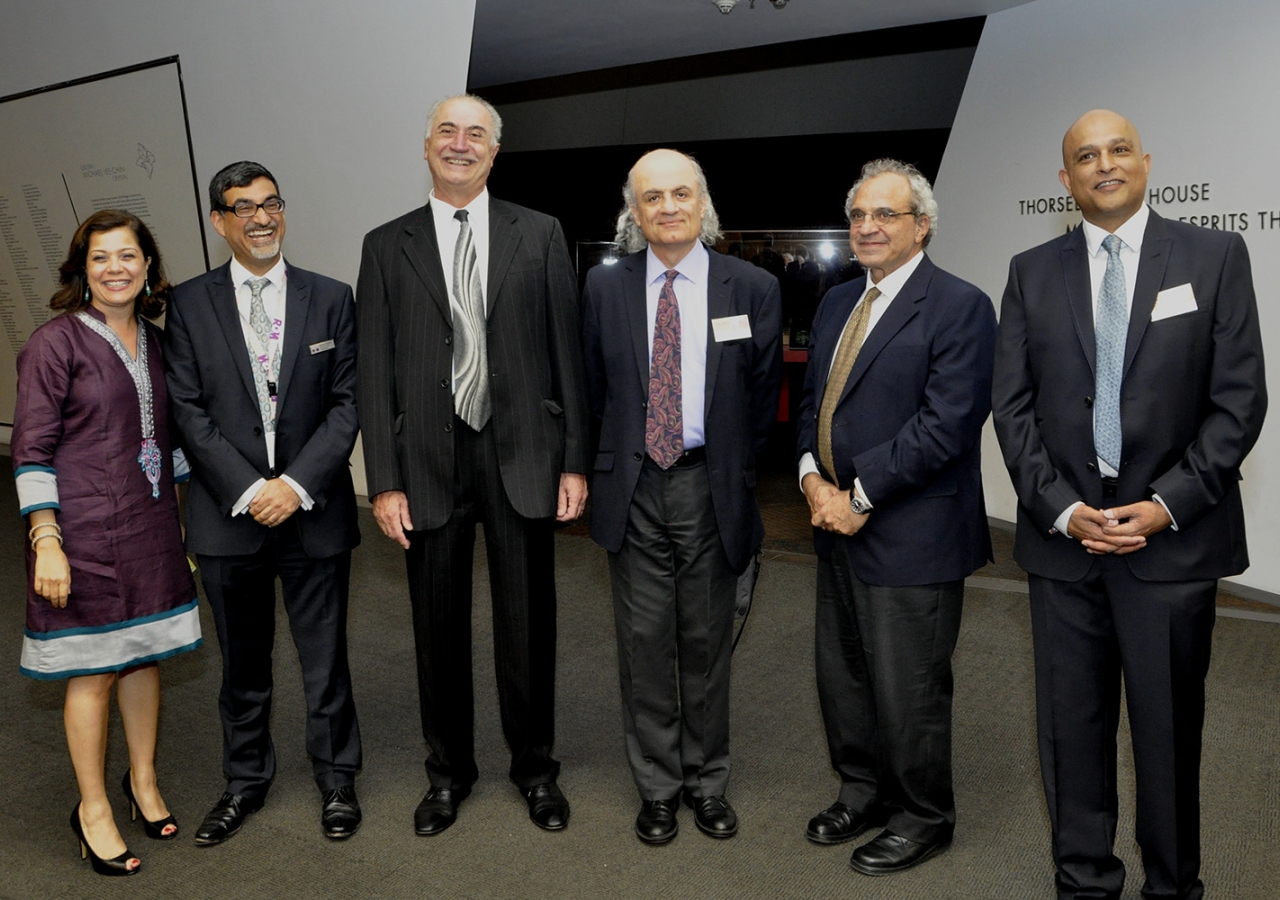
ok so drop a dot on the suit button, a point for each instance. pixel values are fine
(448, 426)
(639, 457)
(1091, 467)
(257, 429)
(444, 382)
(1088, 401)
(448, 339)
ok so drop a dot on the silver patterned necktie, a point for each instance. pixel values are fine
(1111, 330)
(470, 350)
(261, 325)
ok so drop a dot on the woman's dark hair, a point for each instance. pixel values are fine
(73, 281)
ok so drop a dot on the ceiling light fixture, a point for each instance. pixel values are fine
(726, 6)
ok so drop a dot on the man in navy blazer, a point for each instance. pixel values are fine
(260, 360)
(1125, 528)
(889, 447)
(673, 497)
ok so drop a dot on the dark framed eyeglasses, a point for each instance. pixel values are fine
(247, 209)
(879, 216)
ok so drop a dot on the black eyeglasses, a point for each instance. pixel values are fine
(879, 216)
(247, 209)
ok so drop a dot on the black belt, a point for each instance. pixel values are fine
(1109, 485)
(691, 457)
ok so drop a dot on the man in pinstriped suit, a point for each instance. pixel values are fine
(473, 409)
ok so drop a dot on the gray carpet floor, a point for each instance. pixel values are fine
(780, 775)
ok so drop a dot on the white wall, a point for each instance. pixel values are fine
(332, 97)
(1202, 83)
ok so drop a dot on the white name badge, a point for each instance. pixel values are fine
(731, 328)
(321, 347)
(1174, 301)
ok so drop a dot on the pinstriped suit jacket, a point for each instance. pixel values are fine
(406, 357)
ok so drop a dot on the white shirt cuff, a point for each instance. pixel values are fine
(1173, 523)
(1060, 524)
(298, 489)
(247, 497)
(807, 466)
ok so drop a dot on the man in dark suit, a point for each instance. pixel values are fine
(1129, 388)
(684, 354)
(889, 446)
(473, 409)
(260, 363)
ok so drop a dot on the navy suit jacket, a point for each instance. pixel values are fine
(406, 362)
(1191, 403)
(743, 380)
(909, 425)
(215, 408)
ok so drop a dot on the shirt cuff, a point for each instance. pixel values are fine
(862, 495)
(807, 466)
(247, 497)
(1173, 523)
(1060, 524)
(298, 489)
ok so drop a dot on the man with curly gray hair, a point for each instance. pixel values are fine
(684, 361)
(889, 431)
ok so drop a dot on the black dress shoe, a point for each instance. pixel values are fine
(656, 822)
(887, 853)
(225, 819)
(714, 815)
(548, 808)
(340, 813)
(839, 823)
(438, 809)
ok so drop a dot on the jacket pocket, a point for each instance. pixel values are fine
(604, 462)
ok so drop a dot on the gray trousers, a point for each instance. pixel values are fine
(673, 601)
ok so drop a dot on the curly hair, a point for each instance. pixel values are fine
(73, 281)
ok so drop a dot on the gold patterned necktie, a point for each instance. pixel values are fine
(850, 343)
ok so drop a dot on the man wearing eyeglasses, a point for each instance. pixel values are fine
(260, 365)
(897, 390)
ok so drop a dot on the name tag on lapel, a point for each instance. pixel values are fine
(321, 347)
(731, 328)
(1174, 301)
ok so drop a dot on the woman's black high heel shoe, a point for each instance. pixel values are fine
(154, 830)
(118, 865)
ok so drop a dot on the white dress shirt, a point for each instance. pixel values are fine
(890, 286)
(273, 293)
(447, 230)
(690, 287)
(1130, 235)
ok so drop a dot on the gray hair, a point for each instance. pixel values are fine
(922, 202)
(494, 139)
(632, 239)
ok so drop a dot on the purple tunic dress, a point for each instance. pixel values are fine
(77, 431)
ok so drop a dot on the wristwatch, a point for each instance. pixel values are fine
(857, 504)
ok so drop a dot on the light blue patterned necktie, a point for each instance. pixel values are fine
(1111, 329)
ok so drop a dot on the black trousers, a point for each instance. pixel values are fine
(521, 555)
(1157, 636)
(883, 662)
(242, 596)
(673, 602)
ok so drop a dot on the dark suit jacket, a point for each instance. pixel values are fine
(406, 362)
(1191, 404)
(743, 380)
(215, 408)
(909, 425)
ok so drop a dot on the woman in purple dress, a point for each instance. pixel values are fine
(109, 589)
